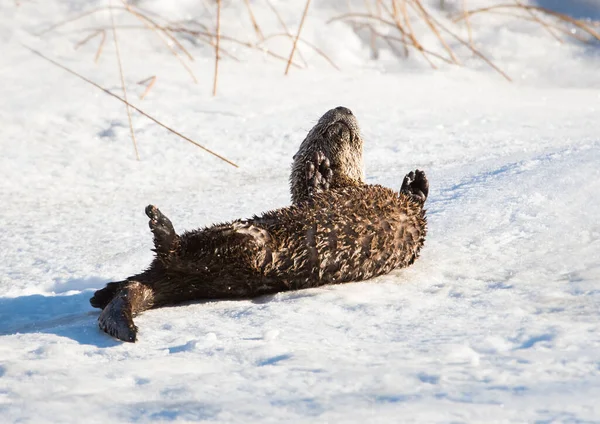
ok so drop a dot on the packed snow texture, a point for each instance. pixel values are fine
(497, 321)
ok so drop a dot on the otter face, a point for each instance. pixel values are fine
(337, 135)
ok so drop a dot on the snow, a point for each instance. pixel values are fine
(497, 321)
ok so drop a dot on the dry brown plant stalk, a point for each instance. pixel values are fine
(217, 47)
(207, 39)
(287, 68)
(89, 37)
(378, 7)
(100, 47)
(468, 23)
(561, 16)
(83, 15)
(123, 87)
(396, 24)
(538, 20)
(473, 49)
(453, 35)
(254, 23)
(404, 35)
(309, 44)
(72, 19)
(150, 83)
(158, 30)
(389, 39)
(396, 18)
(206, 8)
(189, 140)
(372, 36)
(431, 24)
(144, 17)
(198, 34)
(369, 16)
(358, 26)
(285, 28)
(409, 31)
(552, 25)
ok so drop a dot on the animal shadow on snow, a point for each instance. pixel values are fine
(72, 316)
(65, 315)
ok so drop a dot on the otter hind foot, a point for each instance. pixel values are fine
(116, 318)
(416, 186)
(318, 173)
(165, 237)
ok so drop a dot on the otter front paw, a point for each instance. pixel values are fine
(162, 228)
(416, 186)
(318, 173)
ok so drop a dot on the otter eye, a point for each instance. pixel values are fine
(341, 131)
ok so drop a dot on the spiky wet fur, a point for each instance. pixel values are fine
(342, 230)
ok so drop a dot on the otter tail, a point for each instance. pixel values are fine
(103, 296)
(117, 317)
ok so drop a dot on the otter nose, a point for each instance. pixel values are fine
(344, 110)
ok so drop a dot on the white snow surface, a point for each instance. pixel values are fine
(498, 320)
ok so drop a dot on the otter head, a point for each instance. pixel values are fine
(337, 135)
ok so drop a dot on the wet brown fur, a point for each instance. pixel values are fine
(342, 231)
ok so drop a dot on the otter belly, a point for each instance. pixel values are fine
(347, 235)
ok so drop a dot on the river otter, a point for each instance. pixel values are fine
(339, 229)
